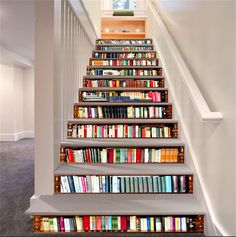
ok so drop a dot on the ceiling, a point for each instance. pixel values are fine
(17, 27)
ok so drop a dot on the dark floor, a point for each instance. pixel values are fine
(17, 186)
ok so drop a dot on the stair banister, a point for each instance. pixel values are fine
(200, 104)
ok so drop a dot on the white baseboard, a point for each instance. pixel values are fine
(5, 137)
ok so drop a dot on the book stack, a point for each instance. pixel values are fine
(118, 131)
(124, 62)
(114, 55)
(125, 184)
(125, 72)
(123, 83)
(122, 155)
(124, 223)
(123, 42)
(122, 111)
(131, 48)
(125, 96)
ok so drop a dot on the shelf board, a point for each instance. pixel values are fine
(123, 89)
(88, 77)
(123, 169)
(123, 121)
(103, 204)
(123, 33)
(108, 143)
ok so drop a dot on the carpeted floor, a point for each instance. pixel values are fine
(17, 186)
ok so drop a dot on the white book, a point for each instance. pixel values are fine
(154, 132)
(183, 224)
(80, 157)
(79, 223)
(158, 155)
(67, 224)
(76, 184)
(74, 131)
(133, 226)
(65, 184)
(115, 184)
(143, 222)
(153, 152)
(103, 155)
(146, 160)
(158, 224)
(55, 224)
(97, 183)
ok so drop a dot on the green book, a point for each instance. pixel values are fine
(136, 189)
(131, 184)
(145, 184)
(117, 155)
(150, 186)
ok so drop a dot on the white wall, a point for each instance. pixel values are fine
(204, 32)
(93, 8)
(28, 102)
(16, 98)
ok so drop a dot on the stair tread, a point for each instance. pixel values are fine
(122, 77)
(122, 89)
(123, 121)
(125, 204)
(106, 142)
(119, 67)
(124, 51)
(125, 45)
(112, 103)
(123, 169)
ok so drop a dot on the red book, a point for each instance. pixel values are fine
(71, 156)
(130, 155)
(98, 223)
(111, 155)
(103, 130)
(123, 223)
(133, 130)
(89, 83)
(62, 225)
(158, 96)
(87, 155)
(86, 223)
(138, 155)
(116, 130)
(151, 84)
(85, 130)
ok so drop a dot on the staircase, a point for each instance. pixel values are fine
(123, 130)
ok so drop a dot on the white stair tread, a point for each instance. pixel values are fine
(125, 204)
(123, 169)
(123, 121)
(133, 142)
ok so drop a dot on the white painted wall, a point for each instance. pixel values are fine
(204, 32)
(93, 8)
(16, 103)
(28, 102)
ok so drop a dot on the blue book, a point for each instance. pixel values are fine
(168, 184)
(148, 224)
(109, 222)
(71, 183)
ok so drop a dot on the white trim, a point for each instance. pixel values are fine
(7, 137)
(204, 112)
(84, 19)
(9, 57)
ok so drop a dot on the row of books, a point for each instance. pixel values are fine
(125, 72)
(124, 55)
(125, 96)
(122, 83)
(121, 155)
(122, 41)
(140, 48)
(124, 184)
(117, 131)
(124, 62)
(121, 112)
(118, 223)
